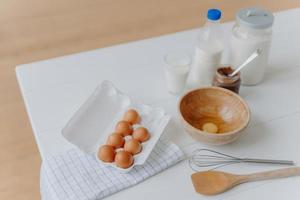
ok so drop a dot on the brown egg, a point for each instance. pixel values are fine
(124, 128)
(133, 146)
(115, 140)
(124, 159)
(132, 116)
(141, 134)
(106, 153)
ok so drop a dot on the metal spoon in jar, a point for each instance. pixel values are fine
(256, 53)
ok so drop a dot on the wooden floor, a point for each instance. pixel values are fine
(34, 29)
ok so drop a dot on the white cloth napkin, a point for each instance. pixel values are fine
(76, 175)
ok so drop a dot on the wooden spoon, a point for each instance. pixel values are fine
(215, 182)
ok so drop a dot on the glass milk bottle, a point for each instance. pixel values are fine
(208, 51)
(252, 30)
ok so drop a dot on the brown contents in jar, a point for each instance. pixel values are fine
(225, 71)
(222, 79)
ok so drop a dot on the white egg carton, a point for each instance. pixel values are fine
(96, 119)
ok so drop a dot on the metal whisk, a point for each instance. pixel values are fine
(212, 159)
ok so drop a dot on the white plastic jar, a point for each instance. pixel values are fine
(252, 30)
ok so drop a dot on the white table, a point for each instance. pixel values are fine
(54, 89)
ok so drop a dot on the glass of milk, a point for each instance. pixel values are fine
(177, 67)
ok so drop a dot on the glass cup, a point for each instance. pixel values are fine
(177, 67)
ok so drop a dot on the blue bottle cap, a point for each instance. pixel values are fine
(214, 14)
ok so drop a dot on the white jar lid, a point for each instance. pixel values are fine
(257, 18)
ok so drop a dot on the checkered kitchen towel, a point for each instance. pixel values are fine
(75, 175)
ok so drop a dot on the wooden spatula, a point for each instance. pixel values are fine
(215, 182)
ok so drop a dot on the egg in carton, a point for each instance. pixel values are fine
(99, 118)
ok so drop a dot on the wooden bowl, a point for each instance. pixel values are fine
(220, 106)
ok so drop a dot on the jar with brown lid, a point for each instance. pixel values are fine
(222, 79)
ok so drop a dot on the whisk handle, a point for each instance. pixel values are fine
(268, 161)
